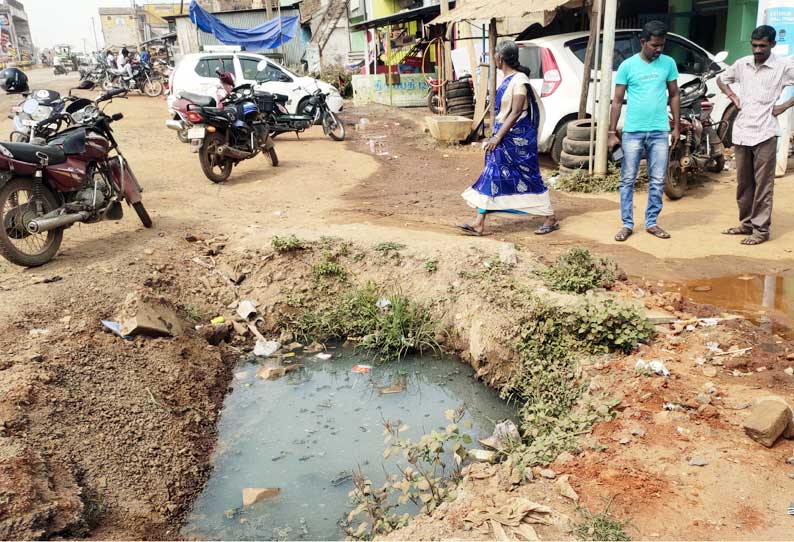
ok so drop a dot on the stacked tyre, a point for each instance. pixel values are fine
(460, 98)
(576, 146)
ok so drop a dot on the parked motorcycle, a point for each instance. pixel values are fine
(183, 119)
(700, 147)
(79, 176)
(61, 69)
(316, 111)
(143, 79)
(234, 131)
(45, 104)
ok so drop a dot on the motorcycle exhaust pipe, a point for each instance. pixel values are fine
(229, 152)
(177, 125)
(46, 224)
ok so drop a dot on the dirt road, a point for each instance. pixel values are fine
(70, 386)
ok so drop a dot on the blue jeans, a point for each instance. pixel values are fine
(656, 146)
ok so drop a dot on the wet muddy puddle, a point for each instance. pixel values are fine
(306, 432)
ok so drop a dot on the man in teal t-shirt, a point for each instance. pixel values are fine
(650, 78)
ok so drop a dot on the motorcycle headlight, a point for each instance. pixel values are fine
(42, 112)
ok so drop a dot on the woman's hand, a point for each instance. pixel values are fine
(492, 143)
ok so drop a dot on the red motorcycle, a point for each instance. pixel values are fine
(184, 119)
(79, 176)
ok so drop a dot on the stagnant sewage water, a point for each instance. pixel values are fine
(306, 432)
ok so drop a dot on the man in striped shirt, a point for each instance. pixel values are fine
(761, 79)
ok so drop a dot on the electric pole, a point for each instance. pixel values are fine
(137, 25)
(93, 28)
(605, 94)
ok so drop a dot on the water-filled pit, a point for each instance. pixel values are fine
(307, 431)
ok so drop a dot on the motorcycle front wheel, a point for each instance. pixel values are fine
(17, 208)
(153, 88)
(333, 126)
(273, 157)
(107, 85)
(215, 168)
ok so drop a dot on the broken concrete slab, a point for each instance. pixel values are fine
(141, 316)
(768, 420)
(276, 371)
(253, 495)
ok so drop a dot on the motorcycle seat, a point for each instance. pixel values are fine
(198, 99)
(25, 152)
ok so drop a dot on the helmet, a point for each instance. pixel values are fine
(13, 80)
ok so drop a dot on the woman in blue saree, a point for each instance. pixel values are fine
(511, 180)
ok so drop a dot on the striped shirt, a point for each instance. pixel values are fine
(759, 89)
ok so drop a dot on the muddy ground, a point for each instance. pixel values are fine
(111, 438)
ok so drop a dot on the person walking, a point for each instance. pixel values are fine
(651, 81)
(510, 181)
(761, 79)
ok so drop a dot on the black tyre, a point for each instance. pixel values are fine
(17, 245)
(461, 108)
(153, 88)
(556, 146)
(717, 162)
(573, 161)
(140, 210)
(216, 168)
(434, 103)
(576, 148)
(182, 136)
(579, 130)
(566, 170)
(725, 131)
(333, 126)
(456, 102)
(273, 157)
(676, 183)
(460, 93)
(469, 113)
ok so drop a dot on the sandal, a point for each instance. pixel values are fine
(623, 234)
(737, 231)
(656, 231)
(754, 240)
(469, 230)
(546, 228)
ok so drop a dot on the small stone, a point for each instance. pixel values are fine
(707, 411)
(703, 398)
(790, 356)
(563, 458)
(709, 371)
(638, 432)
(624, 440)
(507, 254)
(35, 357)
(548, 473)
(252, 495)
(709, 388)
(767, 420)
(565, 488)
(790, 461)
(486, 456)
(789, 371)
(791, 475)
(698, 461)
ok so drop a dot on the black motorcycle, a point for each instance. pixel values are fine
(61, 69)
(225, 136)
(143, 79)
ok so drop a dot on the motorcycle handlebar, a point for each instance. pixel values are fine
(112, 94)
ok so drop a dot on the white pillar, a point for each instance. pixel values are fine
(605, 94)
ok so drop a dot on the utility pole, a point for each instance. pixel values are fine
(137, 26)
(605, 94)
(93, 28)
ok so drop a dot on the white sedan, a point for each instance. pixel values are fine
(196, 73)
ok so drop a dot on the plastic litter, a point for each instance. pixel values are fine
(361, 368)
(654, 366)
(218, 320)
(115, 327)
(383, 303)
(266, 348)
(323, 356)
(246, 309)
(673, 407)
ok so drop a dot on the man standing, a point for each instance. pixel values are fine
(761, 79)
(650, 78)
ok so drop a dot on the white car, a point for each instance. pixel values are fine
(557, 66)
(196, 73)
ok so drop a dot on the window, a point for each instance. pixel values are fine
(120, 21)
(271, 72)
(688, 59)
(529, 57)
(625, 47)
(206, 66)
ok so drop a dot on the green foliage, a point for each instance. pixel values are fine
(492, 269)
(578, 271)
(338, 76)
(328, 267)
(601, 526)
(192, 312)
(547, 386)
(581, 181)
(288, 244)
(427, 481)
(388, 326)
(388, 246)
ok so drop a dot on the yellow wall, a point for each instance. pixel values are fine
(382, 8)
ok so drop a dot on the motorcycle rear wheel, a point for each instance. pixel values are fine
(333, 126)
(153, 88)
(676, 182)
(182, 136)
(16, 244)
(215, 168)
(434, 103)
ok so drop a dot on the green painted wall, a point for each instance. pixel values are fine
(358, 41)
(681, 13)
(742, 15)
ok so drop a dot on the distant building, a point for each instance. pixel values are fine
(125, 27)
(16, 43)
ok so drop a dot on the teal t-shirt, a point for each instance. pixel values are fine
(646, 87)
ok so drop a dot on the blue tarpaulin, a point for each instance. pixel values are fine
(265, 36)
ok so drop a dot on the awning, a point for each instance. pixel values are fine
(512, 16)
(418, 14)
(163, 37)
(269, 35)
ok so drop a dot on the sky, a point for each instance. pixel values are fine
(69, 21)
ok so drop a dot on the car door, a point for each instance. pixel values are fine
(273, 79)
(205, 80)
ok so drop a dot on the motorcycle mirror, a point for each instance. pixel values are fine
(721, 56)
